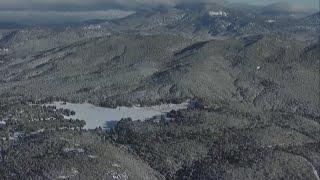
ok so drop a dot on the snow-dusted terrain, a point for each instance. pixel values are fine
(218, 13)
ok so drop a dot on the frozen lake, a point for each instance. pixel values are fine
(102, 117)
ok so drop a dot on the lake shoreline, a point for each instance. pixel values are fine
(106, 118)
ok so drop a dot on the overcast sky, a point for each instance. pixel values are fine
(52, 11)
(308, 3)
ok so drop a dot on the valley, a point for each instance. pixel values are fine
(195, 91)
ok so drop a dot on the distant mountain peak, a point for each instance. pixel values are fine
(200, 5)
(288, 8)
(314, 19)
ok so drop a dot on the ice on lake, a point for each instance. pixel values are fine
(100, 116)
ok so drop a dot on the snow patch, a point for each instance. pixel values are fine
(92, 156)
(78, 150)
(2, 124)
(63, 177)
(118, 176)
(92, 27)
(315, 172)
(5, 50)
(16, 136)
(270, 21)
(37, 132)
(116, 165)
(218, 13)
(73, 173)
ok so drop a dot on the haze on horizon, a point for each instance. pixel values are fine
(56, 11)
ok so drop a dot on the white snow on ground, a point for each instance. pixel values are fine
(79, 150)
(270, 21)
(92, 156)
(63, 177)
(92, 27)
(2, 123)
(118, 176)
(73, 173)
(258, 67)
(98, 116)
(4, 49)
(218, 13)
(38, 132)
(116, 165)
(315, 173)
(16, 136)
